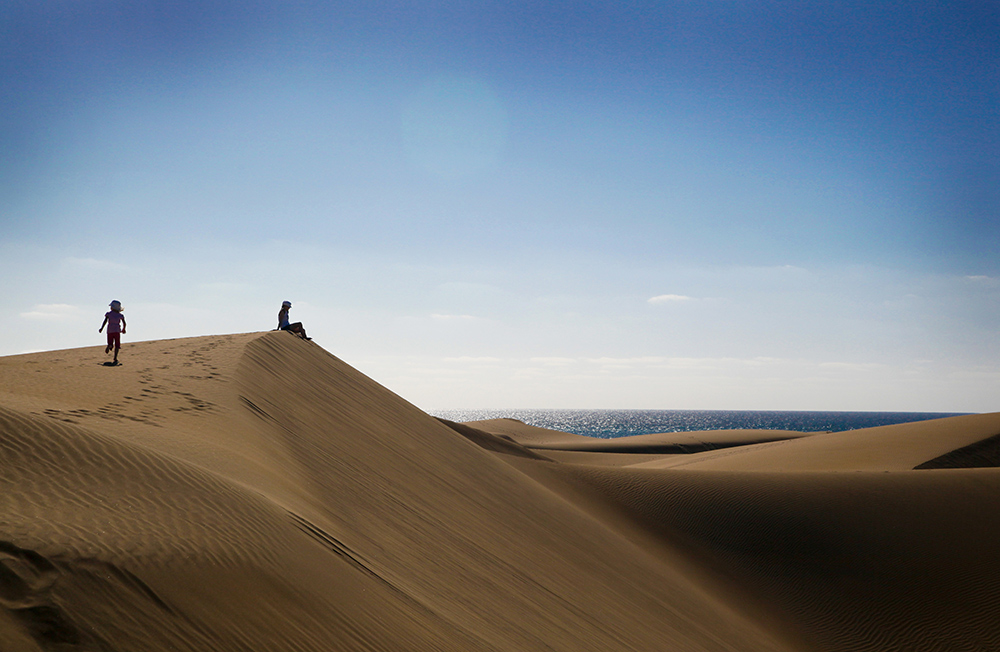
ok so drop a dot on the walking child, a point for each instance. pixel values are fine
(115, 321)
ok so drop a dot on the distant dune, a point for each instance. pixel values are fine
(253, 492)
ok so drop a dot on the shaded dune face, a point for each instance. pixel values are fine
(982, 454)
(857, 561)
(872, 553)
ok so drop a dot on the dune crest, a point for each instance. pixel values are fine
(255, 492)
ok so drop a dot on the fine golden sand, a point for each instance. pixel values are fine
(253, 492)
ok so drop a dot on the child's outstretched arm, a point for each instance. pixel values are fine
(103, 324)
(123, 325)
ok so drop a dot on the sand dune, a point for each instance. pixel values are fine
(667, 443)
(253, 492)
(845, 534)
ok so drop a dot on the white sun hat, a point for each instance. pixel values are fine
(286, 304)
(115, 305)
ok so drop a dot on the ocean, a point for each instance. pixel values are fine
(608, 424)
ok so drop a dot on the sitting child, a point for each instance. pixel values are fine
(284, 325)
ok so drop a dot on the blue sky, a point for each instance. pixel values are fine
(704, 205)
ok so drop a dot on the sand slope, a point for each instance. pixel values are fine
(253, 492)
(845, 536)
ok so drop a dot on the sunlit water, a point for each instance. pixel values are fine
(608, 424)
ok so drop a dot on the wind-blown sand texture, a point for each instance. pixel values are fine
(253, 492)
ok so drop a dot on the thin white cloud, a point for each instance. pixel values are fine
(467, 359)
(53, 312)
(851, 366)
(442, 317)
(553, 361)
(631, 361)
(659, 362)
(669, 298)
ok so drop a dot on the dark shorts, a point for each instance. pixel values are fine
(114, 340)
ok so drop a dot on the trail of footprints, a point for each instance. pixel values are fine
(155, 397)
